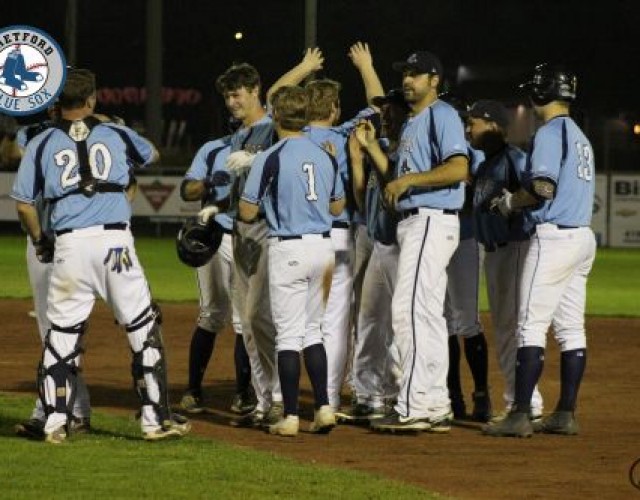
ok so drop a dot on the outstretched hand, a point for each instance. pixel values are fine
(360, 55)
(313, 60)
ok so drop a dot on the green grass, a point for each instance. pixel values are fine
(113, 462)
(612, 288)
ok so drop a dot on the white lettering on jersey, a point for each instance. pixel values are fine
(99, 162)
(311, 181)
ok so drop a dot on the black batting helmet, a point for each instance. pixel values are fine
(551, 83)
(197, 243)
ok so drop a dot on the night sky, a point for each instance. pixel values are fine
(505, 37)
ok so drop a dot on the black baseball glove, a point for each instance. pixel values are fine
(44, 249)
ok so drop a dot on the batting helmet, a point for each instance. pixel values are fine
(197, 243)
(551, 83)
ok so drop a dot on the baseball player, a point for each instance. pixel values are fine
(208, 180)
(240, 86)
(81, 167)
(503, 239)
(324, 128)
(39, 279)
(557, 202)
(298, 184)
(461, 307)
(427, 193)
(375, 360)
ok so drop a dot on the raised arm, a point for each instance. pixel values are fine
(311, 62)
(360, 56)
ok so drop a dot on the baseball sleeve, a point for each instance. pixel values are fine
(546, 156)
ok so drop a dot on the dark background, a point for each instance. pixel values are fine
(500, 40)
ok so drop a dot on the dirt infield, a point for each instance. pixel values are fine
(463, 464)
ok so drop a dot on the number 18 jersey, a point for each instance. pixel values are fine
(562, 154)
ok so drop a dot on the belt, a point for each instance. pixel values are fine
(415, 211)
(114, 226)
(340, 225)
(227, 231)
(298, 236)
(561, 227)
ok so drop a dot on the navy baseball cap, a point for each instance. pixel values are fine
(491, 111)
(394, 96)
(421, 62)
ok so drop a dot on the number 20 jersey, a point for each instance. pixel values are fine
(50, 166)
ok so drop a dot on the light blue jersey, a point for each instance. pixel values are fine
(503, 170)
(338, 136)
(50, 167)
(295, 180)
(428, 139)
(209, 164)
(562, 154)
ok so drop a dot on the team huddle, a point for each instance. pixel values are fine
(355, 245)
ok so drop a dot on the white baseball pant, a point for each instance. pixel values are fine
(252, 301)
(39, 278)
(503, 271)
(375, 362)
(553, 289)
(94, 262)
(336, 324)
(298, 273)
(427, 241)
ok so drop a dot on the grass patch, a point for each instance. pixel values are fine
(112, 462)
(611, 291)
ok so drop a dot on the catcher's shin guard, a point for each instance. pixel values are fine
(58, 368)
(148, 367)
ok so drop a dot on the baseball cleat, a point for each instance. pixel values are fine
(179, 426)
(191, 403)
(324, 419)
(360, 414)
(515, 424)
(31, 429)
(79, 425)
(396, 423)
(439, 425)
(559, 422)
(287, 426)
(57, 436)
(481, 407)
(243, 403)
(275, 413)
(255, 419)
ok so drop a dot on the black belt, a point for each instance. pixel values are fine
(227, 231)
(340, 225)
(415, 211)
(562, 227)
(115, 226)
(298, 236)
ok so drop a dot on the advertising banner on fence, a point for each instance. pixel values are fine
(625, 211)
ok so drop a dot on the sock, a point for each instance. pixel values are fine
(529, 364)
(475, 350)
(315, 359)
(289, 374)
(202, 343)
(453, 376)
(243, 366)
(572, 364)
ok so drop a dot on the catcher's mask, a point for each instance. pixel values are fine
(197, 243)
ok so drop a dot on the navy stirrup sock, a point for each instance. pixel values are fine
(572, 364)
(315, 359)
(202, 343)
(289, 374)
(529, 364)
